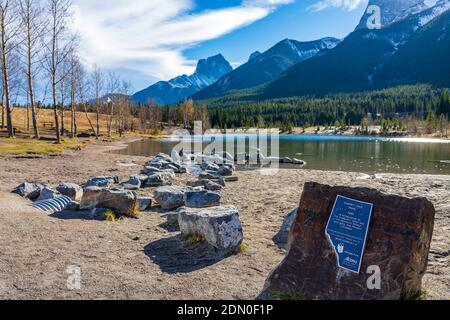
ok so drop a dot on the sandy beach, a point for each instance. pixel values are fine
(144, 259)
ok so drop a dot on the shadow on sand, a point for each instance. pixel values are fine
(173, 255)
(76, 215)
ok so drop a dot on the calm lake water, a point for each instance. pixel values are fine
(343, 153)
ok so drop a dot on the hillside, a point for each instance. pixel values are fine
(265, 67)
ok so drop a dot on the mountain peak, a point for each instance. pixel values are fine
(215, 66)
(208, 71)
(267, 66)
(254, 55)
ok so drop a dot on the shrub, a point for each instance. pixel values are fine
(109, 215)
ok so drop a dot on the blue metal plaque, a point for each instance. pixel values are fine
(347, 230)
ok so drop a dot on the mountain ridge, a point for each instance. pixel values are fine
(267, 66)
(181, 87)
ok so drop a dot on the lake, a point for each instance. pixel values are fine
(334, 152)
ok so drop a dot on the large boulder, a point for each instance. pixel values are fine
(133, 183)
(398, 242)
(169, 197)
(201, 199)
(102, 181)
(207, 174)
(225, 171)
(149, 170)
(144, 203)
(48, 193)
(211, 185)
(219, 226)
(122, 202)
(71, 190)
(158, 179)
(29, 190)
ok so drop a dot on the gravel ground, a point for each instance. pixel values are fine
(36, 250)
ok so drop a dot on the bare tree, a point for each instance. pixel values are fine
(64, 74)
(83, 87)
(58, 48)
(113, 88)
(97, 80)
(188, 111)
(9, 28)
(32, 19)
(3, 103)
(74, 67)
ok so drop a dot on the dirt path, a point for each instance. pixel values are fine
(36, 249)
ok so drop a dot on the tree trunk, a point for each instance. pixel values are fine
(6, 88)
(110, 120)
(89, 120)
(72, 119)
(31, 89)
(55, 110)
(3, 110)
(62, 112)
(98, 121)
(28, 117)
(54, 74)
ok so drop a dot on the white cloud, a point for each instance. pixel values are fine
(149, 35)
(349, 5)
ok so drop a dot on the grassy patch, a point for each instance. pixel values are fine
(20, 146)
(193, 238)
(109, 216)
(242, 247)
(286, 296)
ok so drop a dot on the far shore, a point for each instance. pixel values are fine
(349, 132)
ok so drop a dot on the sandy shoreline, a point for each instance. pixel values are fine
(36, 249)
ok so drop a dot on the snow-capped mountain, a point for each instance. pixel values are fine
(177, 89)
(415, 49)
(393, 11)
(267, 66)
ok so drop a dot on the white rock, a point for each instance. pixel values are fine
(220, 226)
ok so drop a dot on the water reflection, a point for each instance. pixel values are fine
(363, 154)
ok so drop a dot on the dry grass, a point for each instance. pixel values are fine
(17, 146)
(46, 120)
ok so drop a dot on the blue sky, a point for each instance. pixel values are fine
(293, 21)
(150, 40)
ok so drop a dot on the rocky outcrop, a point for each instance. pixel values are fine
(133, 183)
(102, 181)
(398, 243)
(48, 193)
(71, 190)
(144, 203)
(169, 197)
(122, 202)
(201, 199)
(211, 185)
(219, 226)
(158, 179)
(28, 190)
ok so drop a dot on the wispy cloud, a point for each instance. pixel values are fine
(149, 36)
(349, 5)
